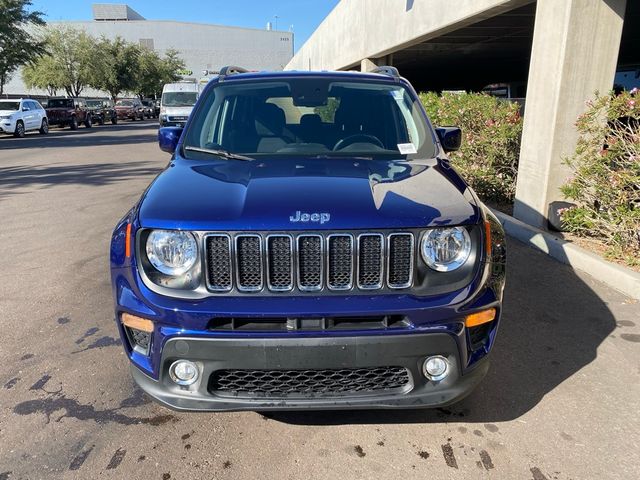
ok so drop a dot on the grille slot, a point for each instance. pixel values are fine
(219, 263)
(370, 261)
(249, 262)
(309, 262)
(400, 260)
(340, 262)
(279, 263)
(308, 383)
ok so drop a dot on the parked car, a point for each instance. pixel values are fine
(102, 110)
(176, 103)
(129, 108)
(68, 112)
(22, 115)
(149, 108)
(296, 255)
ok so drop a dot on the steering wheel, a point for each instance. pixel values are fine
(357, 138)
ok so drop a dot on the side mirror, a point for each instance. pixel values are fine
(168, 138)
(450, 138)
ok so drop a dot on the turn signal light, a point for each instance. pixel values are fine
(127, 239)
(138, 323)
(487, 238)
(479, 318)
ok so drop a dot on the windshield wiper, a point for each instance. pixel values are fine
(219, 153)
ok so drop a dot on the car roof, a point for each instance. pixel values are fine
(320, 73)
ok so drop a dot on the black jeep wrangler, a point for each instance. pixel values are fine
(102, 111)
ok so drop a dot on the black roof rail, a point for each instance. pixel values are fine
(386, 70)
(230, 70)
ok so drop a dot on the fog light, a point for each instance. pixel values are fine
(436, 368)
(183, 372)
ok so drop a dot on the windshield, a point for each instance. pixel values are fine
(94, 103)
(124, 103)
(60, 103)
(179, 99)
(312, 117)
(9, 105)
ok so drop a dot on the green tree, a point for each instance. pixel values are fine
(118, 66)
(69, 64)
(44, 74)
(18, 46)
(155, 71)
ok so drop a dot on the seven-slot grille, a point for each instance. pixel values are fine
(309, 262)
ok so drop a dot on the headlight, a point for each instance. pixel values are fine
(5, 117)
(172, 252)
(446, 249)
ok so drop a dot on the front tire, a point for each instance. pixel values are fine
(114, 120)
(73, 124)
(19, 131)
(87, 122)
(44, 127)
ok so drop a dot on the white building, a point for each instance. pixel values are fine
(201, 46)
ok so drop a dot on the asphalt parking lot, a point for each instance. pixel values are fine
(561, 401)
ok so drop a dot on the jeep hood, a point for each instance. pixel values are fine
(8, 112)
(271, 194)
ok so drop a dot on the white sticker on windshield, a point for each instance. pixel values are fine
(407, 148)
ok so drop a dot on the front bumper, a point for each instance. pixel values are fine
(7, 126)
(170, 123)
(408, 351)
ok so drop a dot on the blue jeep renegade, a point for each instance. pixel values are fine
(308, 246)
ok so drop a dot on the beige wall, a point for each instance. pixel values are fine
(358, 29)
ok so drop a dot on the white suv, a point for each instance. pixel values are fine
(20, 115)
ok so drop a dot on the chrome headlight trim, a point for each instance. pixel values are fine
(445, 249)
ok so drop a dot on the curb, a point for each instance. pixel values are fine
(620, 278)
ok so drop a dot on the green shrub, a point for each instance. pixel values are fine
(491, 131)
(606, 175)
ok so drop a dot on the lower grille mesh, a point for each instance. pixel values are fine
(307, 383)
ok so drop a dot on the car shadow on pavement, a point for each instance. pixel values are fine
(551, 327)
(18, 178)
(104, 135)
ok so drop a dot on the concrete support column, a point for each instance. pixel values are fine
(368, 64)
(574, 53)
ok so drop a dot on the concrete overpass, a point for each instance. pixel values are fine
(562, 50)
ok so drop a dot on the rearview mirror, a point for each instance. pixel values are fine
(450, 138)
(168, 138)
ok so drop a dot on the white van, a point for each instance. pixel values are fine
(177, 102)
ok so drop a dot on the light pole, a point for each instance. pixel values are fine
(276, 17)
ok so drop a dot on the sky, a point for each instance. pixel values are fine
(303, 15)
